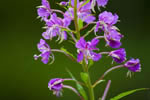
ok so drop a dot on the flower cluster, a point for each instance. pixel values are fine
(81, 12)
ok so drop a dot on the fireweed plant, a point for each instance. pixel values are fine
(82, 14)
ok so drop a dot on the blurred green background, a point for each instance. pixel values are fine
(22, 78)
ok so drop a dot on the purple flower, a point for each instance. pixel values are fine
(63, 3)
(113, 38)
(44, 10)
(99, 2)
(83, 12)
(45, 51)
(54, 28)
(85, 50)
(102, 2)
(133, 65)
(72, 3)
(118, 55)
(56, 86)
(105, 23)
(108, 18)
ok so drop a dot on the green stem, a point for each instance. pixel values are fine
(85, 67)
(89, 84)
(91, 91)
(76, 20)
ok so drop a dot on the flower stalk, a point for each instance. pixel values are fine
(74, 90)
(76, 20)
(109, 70)
(61, 51)
(106, 90)
(80, 11)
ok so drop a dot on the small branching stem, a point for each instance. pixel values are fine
(74, 90)
(104, 53)
(84, 27)
(99, 37)
(109, 70)
(106, 90)
(61, 51)
(59, 11)
(88, 32)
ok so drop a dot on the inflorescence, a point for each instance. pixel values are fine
(86, 50)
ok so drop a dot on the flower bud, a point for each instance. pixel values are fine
(119, 55)
(56, 86)
(133, 65)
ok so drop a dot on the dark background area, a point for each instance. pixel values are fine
(22, 78)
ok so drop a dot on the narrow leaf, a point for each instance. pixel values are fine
(80, 23)
(81, 91)
(67, 30)
(100, 99)
(79, 87)
(118, 97)
(84, 77)
(87, 1)
(91, 62)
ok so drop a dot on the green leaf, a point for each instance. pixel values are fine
(100, 99)
(67, 30)
(84, 77)
(80, 23)
(118, 97)
(91, 62)
(82, 91)
(65, 50)
(87, 1)
(79, 87)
